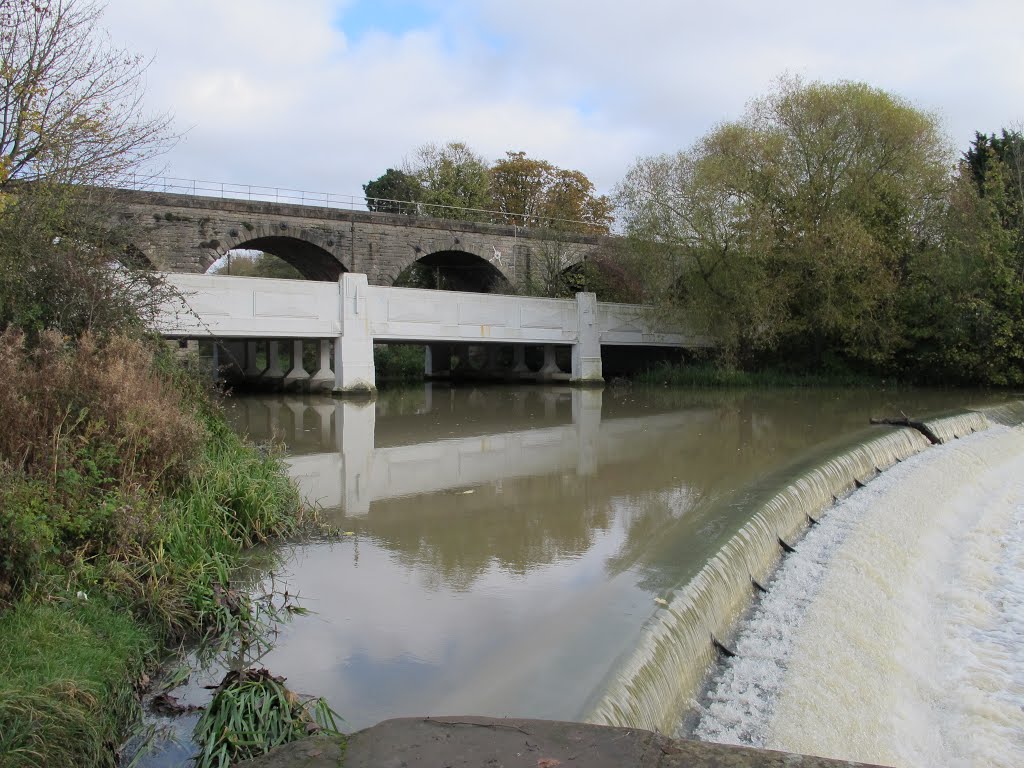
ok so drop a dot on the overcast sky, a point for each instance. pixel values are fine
(324, 95)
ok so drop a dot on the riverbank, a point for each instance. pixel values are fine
(711, 375)
(126, 504)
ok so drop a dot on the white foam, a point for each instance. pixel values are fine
(906, 649)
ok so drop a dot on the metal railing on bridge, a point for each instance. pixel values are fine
(285, 195)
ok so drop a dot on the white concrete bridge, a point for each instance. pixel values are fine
(348, 317)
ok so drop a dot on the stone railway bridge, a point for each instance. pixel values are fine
(188, 233)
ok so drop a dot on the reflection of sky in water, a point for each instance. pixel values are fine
(387, 639)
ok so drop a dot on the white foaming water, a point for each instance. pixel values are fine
(895, 634)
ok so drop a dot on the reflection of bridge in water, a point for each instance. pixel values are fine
(355, 473)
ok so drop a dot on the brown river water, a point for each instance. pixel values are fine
(501, 550)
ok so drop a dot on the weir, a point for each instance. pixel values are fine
(902, 612)
(657, 681)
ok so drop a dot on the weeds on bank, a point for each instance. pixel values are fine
(126, 504)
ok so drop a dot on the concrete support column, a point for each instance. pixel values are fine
(519, 367)
(353, 351)
(274, 370)
(437, 360)
(493, 364)
(355, 422)
(461, 351)
(586, 352)
(252, 368)
(231, 359)
(323, 379)
(550, 369)
(297, 377)
(586, 417)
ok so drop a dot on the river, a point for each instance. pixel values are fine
(531, 551)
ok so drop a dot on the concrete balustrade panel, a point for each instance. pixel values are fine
(249, 307)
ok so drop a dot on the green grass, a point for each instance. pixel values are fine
(68, 671)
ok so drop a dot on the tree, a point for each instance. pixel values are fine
(533, 192)
(259, 264)
(1002, 156)
(454, 181)
(69, 101)
(965, 299)
(69, 105)
(393, 192)
(790, 230)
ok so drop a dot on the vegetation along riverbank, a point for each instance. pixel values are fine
(126, 502)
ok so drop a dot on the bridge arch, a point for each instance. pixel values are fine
(314, 260)
(455, 270)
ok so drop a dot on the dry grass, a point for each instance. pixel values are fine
(61, 397)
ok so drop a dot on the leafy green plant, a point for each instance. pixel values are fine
(252, 712)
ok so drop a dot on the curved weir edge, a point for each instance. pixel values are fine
(662, 676)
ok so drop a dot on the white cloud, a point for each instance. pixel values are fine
(276, 94)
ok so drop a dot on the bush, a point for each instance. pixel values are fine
(398, 362)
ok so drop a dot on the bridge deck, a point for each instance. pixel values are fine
(254, 308)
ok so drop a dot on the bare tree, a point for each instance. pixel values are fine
(70, 101)
(72, 125)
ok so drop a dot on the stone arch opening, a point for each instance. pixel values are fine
(600, 275)
(309, 260)
(454, 271)
(134, 257)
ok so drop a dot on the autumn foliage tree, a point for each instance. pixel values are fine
(531, 192)
(452, 181)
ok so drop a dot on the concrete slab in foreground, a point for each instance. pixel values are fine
(484, 742)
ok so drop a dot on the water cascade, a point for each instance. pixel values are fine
(893, 636)
(957, 425)
(662, 675)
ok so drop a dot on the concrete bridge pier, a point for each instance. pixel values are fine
(549, 371)
(437, 361)
(520, 370)
(354, 372)
(252, 371)
(323, 379)
(274, 373)
(586, 352)
(297, 377)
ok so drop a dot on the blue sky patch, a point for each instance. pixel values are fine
(390, 17)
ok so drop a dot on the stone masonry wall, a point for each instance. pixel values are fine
(184, 233)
